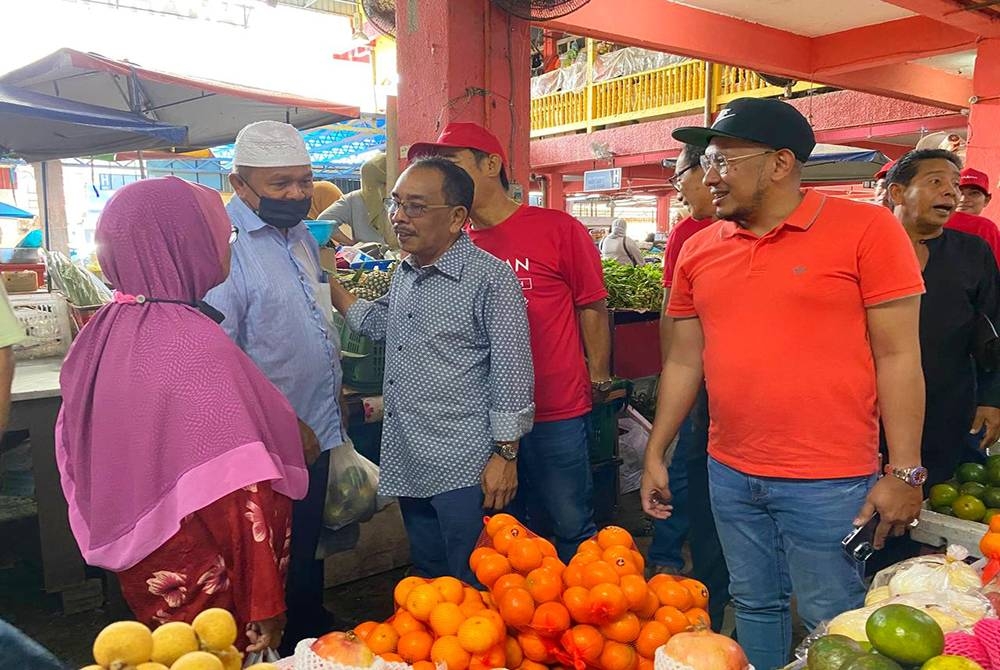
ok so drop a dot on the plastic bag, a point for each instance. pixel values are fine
(633, 434)
(305, 659)
(936, 572)
(351, 488)
(266, 656)
(953, 611)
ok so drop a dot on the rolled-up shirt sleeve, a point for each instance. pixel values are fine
(512, 376)
(369, 317)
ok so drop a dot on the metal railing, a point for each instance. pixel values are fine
(666, 91)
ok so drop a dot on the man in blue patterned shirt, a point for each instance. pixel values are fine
(458, 375)
(276, 303)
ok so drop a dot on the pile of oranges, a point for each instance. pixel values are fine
(598, 611)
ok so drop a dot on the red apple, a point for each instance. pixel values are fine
(705, 650)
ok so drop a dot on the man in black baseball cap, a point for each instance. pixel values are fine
(802, 311)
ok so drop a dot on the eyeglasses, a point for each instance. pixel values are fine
(675, 181)
(722, 163)
(412, 210)
(234, 234)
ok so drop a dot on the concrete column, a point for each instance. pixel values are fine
(464, 61)
(984, 120)
(663, 213)
(555, 192)
(49, 184)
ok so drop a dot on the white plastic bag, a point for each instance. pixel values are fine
(633, 434)
(952, 610)
(351, 488)
(936, 572)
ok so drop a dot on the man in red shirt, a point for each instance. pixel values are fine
(966, 219)
(801, 312)
(560, 272)
(975, 187)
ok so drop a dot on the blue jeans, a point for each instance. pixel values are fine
(780, 536)
(669, 534)
(443, 531)
(555, 488)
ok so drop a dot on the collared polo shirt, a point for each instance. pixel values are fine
(789, 368)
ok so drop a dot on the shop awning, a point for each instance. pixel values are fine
(831, 163)
(211, 112)
(40, 127)
(12, 212)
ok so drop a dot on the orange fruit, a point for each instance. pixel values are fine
(585, 642)
(607, 603)
(513, 656)
(543, 585)
(525, 555)
(698, 591)
(517, 607)
(649, 605)
(451, 589)
(615, 536)
(415, 646)
(448, 650)
(422, 600)
(652, 636)
(589, 547)
(404, 622)
(477, 634)
(644, 664)
(492, 568)
(535, 647)
(498, 623)
(585, 559)
(509, 581)
(478, 554)
(599, 572)
(635, 590)
(497, 522)
(624, 629)
(445, 619)
(507, 534)
(473, 602)
(618, 656)
(424, 665)
(674, 594)
(363, 630)
(553, 565)
(577, 601)
(492, 658)
(404, 587)
(639, 561)
(382, 639)
(547, 548)
(658, 578)
(573, 575)
(550, 619)
(391, 657)
(698, 617)
(528, 664)
(673, 619)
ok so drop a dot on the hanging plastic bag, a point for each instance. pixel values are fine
(936, 572)
(351, 488)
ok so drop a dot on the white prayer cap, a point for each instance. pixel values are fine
(270, 144)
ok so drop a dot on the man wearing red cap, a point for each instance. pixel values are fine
(975, 186)
(881, 188)
(560, 272)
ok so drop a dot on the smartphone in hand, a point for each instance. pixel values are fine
(859, 542)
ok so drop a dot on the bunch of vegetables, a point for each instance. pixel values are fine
(80, 286)
(368, 285)
(631, 287)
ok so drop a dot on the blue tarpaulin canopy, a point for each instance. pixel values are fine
(39, 127)
(12, 212)
(832, 163)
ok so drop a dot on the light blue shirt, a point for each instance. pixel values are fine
(458, 371)
(277, 307)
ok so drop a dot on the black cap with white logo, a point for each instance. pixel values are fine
(766, 121)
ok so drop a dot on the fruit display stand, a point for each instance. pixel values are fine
(941, 530)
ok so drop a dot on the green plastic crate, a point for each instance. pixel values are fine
(603, 422)
(362, 359)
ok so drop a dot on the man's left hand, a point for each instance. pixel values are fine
(897, 504)
(310, 443)
(988, 417)
(499, 482)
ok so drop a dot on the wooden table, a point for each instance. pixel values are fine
(35, 401)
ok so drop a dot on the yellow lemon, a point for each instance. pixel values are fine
(197, 660)
(231, 658)
(216, 629)
(263, 666)
(173, 640)
(123, 643)
(151, 666)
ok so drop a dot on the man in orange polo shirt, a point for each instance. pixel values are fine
(801, 311)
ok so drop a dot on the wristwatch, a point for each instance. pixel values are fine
(604, 386)
(914, 476)
(506, 450)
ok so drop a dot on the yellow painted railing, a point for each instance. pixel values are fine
(667, 91)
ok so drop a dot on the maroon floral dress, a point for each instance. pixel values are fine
(232, 554)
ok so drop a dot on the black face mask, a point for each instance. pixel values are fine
(281, 214)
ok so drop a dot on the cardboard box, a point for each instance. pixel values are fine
(20, 281)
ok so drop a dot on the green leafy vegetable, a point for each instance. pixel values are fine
(630, 287)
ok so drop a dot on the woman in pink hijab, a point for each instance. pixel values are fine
(179, 459)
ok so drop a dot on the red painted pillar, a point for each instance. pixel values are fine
(663, 213)
(984, 120)
(556, 192)
(464, 61)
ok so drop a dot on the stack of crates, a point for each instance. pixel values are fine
(604, 461)
(362, 359)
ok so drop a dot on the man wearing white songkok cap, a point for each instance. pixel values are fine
(276, 304)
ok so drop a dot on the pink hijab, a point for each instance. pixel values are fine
(162, 414)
